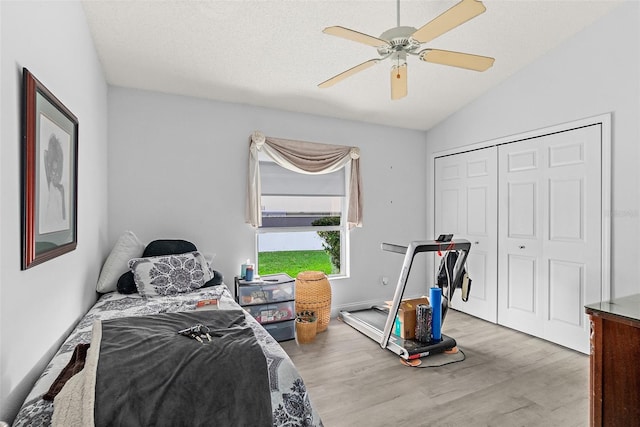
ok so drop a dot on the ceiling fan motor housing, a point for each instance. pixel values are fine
(399, 39)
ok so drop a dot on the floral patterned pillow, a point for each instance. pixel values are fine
(170, 274)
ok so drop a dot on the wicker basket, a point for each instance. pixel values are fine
(313, 293)
(306, 331)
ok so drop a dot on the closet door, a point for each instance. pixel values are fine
(550, 234)
(466, 205)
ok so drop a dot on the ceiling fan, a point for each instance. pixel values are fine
(396, 43)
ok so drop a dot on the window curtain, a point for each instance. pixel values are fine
(303, 157)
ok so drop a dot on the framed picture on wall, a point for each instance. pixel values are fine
(49, 175)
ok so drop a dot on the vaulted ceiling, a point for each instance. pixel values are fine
(273, 53)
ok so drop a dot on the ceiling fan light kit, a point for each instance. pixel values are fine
(398, 42)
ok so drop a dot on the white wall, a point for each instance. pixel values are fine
(38, 306)
(178, 165)
(597, 71)
(2, 393)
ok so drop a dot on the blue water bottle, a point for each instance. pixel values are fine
(249, 273)
(435, 297)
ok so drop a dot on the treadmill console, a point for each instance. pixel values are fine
(444, 238)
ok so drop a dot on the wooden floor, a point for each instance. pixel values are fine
(507, 379)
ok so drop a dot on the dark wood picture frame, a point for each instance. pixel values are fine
(49, 175)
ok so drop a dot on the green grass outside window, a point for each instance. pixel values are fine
(293, 262)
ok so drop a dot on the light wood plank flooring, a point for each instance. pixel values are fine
(508, 379)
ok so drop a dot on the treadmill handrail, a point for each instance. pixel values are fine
(410, 251)
(428, 246)
(390, 247)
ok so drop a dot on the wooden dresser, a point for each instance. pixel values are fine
(614, 391)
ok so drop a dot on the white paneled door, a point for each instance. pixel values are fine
(550, 234)
(466, 205)
(532, 210)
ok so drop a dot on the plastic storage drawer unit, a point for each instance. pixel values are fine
(271, 300)
(282, 331)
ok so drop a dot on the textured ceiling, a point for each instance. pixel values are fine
(274, 54)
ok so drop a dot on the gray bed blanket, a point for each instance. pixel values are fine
(148, 375)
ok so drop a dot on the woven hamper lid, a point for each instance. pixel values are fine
(311, 275)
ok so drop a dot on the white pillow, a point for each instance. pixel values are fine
(128, 246)
(170, 274)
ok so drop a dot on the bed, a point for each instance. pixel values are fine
(229, 400)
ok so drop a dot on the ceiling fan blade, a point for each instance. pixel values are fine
(398, 81)
(351, 71)
(456, 15)
(457, 59)
(355, 36)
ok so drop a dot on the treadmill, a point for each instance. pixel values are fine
(377, 322)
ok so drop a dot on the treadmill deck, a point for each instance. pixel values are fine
(376, 316)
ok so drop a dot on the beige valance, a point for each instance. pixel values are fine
(303, 157)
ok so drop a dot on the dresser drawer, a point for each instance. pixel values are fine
(269, 313)
(267, 293)
(282, 331)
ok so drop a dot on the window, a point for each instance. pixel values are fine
(304, 224)
(301, 203)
